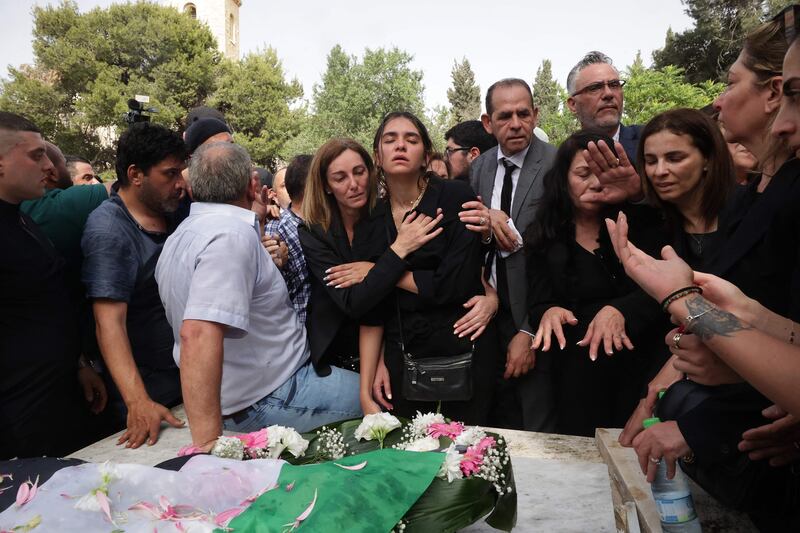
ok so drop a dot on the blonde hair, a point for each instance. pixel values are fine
(318, 204)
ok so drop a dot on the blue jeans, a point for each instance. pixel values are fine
(305, 401)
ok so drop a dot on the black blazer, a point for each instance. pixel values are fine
(629, 139)
(331, 309)
(447, 272)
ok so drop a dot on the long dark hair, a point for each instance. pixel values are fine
(555, 218)
(719, 177)
(427, 143)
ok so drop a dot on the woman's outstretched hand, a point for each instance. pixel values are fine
(658, 278)
(608, 327)
(416, 230)
(550, 324)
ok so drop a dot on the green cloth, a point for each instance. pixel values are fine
(62, 214)
(372, 499)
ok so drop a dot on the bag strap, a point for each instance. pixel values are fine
(396, 296)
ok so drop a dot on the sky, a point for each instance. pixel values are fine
(500, 38)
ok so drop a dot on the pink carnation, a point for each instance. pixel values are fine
(472, 461)
(257, 439)
(451, 430)
(485, 444)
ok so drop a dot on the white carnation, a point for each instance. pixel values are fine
(451, 466)
(424, 444)
(470, 436)
(280, 438)
(421, 423)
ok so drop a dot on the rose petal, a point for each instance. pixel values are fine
(290, 486)
(22, 494)
(354, 467)
(104, 503)
(308, 510)
(224, 517)
(146, 506)
(34, 489)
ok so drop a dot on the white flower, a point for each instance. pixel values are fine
(88, 502)
(280, 438)
(376, 426)
(451, 466)
(228, 448)
(470, 436)
(421, 422)
(425, 444)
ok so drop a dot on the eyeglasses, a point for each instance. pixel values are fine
(594, 88)
(789, 19)
(450, 151)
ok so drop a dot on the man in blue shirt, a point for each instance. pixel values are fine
(121, 245)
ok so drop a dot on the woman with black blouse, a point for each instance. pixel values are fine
(690, 176)
(607, 331)
(444, 274)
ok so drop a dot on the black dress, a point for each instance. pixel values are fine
(447, 272)
(333, 314)
(604, 392)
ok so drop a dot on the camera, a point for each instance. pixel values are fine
(138, 112)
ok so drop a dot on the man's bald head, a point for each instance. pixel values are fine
(220, 172)
(59, 177)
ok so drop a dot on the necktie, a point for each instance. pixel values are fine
(505, 206)
(508, 186)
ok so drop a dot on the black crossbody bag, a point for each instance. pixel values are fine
(434, 379)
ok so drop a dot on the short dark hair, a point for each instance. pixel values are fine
(471, 133)
(506, 82)
(265, 177)
(14, 122)
(719, 179)
(145, 145)
(76, 159)
(296, 173)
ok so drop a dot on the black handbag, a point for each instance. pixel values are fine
(434, 379)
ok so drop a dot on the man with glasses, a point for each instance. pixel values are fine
(595, 97)
(466, 141)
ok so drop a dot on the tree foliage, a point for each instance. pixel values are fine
(259, 104)
(354, 95)
(465, 95)
(705, 51)
(651, 91)
(75, 89)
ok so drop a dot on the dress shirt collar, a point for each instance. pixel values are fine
(616, 135)
(518, 159)
(245, 215)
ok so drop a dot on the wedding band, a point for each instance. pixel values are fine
(654, 460)
(676, 340)
(615, 163)
(481, 221)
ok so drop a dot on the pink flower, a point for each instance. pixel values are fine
(189, 449)
(257, 439)
(472, 461)
(485, 444)
(451, 430)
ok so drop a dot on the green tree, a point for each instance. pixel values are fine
(75, 89)
(651, 91)
(354, 95)
(547, 92)
(465, 95)
(705, 51)
(260, 105)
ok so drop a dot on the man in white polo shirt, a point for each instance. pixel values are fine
(240, 346)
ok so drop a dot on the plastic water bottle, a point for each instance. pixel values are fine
(673, 497)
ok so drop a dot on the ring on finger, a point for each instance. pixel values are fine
(481, 221)
(654, 460)
(614, 163)
(676, 340)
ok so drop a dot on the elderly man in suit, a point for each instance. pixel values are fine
(595, 98)
(508, 178)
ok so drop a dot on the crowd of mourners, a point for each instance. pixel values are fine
(632, 270)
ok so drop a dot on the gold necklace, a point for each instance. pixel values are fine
(415, 203)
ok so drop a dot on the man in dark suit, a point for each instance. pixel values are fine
(508, 178)
(595, 97)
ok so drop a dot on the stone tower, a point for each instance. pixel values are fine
(221, 16)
